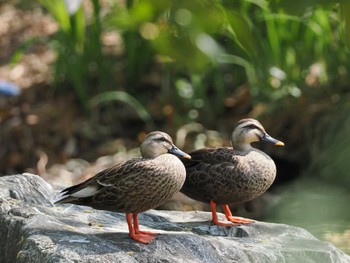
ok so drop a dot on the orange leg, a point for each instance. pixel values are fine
(137, 227)
(215, 219)
(235, 219)
(134, 231)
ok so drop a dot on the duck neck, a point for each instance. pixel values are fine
(241, 146)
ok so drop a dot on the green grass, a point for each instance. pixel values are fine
(281, 52)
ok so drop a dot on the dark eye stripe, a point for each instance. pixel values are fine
(161, 139)
(252, 126)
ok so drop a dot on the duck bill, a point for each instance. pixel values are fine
(176, 151)
(268, 138)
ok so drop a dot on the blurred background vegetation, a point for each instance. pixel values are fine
(122, 68)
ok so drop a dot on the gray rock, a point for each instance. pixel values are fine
(33, 230)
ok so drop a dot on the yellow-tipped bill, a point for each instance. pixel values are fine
(268, 138)
(176, 151)
(279, 143)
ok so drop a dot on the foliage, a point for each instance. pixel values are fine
(330, 146)
(80, 63)
(282, 55)
(106, 97)
(207, 49)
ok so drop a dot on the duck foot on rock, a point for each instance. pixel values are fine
(135, 233)
(142, 238)
(215, 219)
(236, 219)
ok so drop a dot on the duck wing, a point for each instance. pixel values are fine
(104, 180)
(210, 172)
(209, 156)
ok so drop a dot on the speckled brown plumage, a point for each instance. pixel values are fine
(228, 176)
(225, 176)
(136, 185)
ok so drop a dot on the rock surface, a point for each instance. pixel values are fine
(33, 230)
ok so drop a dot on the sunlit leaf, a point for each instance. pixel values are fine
(182, 49)
(58, 10)
(241, 31)
(298, 7)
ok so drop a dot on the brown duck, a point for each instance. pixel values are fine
(136, 185)
(231, 175)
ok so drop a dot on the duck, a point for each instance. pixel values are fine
(231, 175)
(134, 186)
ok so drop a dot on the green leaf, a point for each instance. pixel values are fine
(298, 7)
(58, 10)
(241, 31)
(122, 96)
(31, 41)
(345, 11)
(78, 23)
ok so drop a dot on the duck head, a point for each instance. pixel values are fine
(157, 143)
(248, 131)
